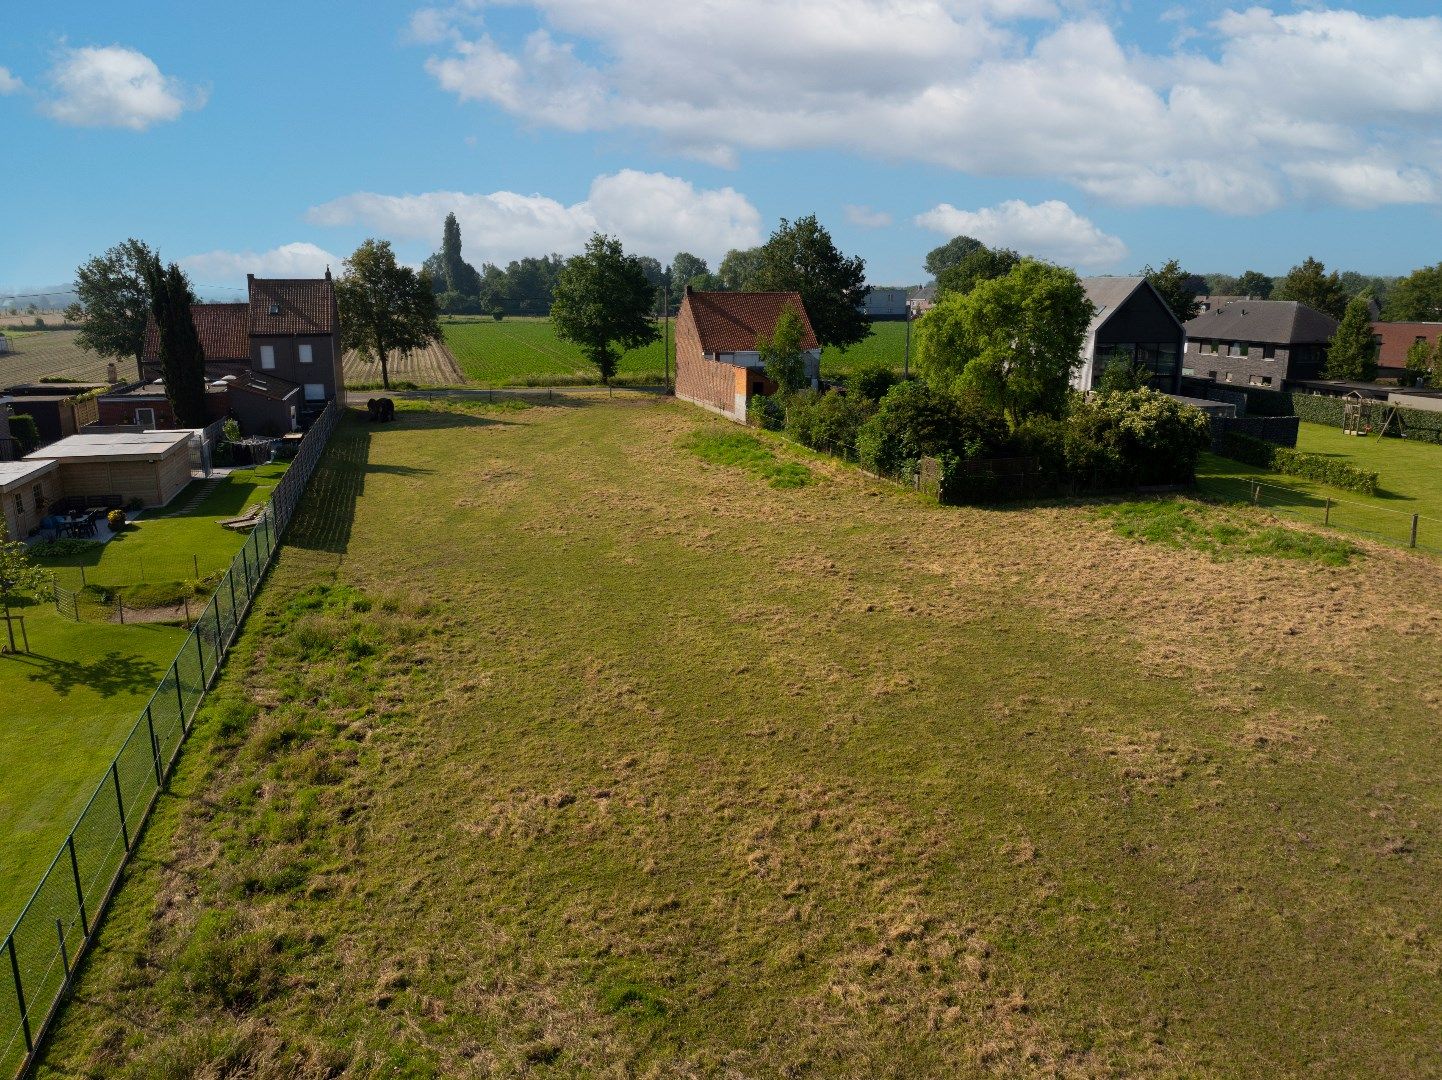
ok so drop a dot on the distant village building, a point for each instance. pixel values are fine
(1394, 339)
(717, 365)
(885, 303)
(1263, 343)
(1132, 324)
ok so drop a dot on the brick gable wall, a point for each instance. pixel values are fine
(703, 382)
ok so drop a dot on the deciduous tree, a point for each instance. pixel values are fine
(686, 269)
(979, 264)
(940, 259)
(1255, 283)
(1015, 340)
(1424, 360)
(385, 307)
(111, 291)
(18, 577)
(1310, 284)
(740, 270)
(801, 257)
(602, 304)
(1177, 287)
(1417, 297)
(782, 353)
(1352, 353)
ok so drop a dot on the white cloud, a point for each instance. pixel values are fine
(1242, 118)
(652, 213)
(1051, 230)
(114, 86)
(9, 83)
(288, 260)
(866, 217)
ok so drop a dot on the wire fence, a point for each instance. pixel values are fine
(60, 921)
(79, 571)
(1364, 519)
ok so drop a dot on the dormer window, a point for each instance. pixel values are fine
(275, 307)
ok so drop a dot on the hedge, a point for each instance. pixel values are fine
(1316, 409)
(1282, 459)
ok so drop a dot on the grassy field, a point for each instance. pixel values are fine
(526, 352)
(886, 347)
(41, 354)
(74, 698)
(1409, 478)
(643, 765)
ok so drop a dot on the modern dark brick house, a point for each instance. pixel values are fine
(1263, 343)
(717, 365)
(1132, 324)
(275, 359)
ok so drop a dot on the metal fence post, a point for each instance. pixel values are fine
(20, 994)
(179, 695)
(199, 650)
(1327, 514)
(64, 952)
(1256, 494)
(230, 577)
(245, 563)
(79, 891)
(219, 639)
(1414, 531)
(154, 747)
(120, 803)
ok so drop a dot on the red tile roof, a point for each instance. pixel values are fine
(1397, 338)
(291, 306)
(224, 331)
(732, 321)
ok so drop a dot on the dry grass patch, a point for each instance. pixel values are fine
(575, 754)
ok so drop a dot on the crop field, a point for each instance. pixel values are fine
(40, 354)
(431, 366)
(526, 352)
(658, 766)
(886, 347)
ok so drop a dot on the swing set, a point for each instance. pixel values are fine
(1355, 419)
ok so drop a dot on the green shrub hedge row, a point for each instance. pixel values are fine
(1282, 459)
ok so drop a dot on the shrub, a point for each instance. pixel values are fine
(1283, 459)
(827, 422)
(1133, 437)
(116, 520)
(913, 421)
(872, 382)
(765, 412)
(24, 431)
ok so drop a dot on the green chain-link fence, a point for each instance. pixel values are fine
(59, 922)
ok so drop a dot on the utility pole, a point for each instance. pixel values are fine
(906, 360)
(666, 333)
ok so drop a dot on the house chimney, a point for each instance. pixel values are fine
(111, 375)
(688, 288)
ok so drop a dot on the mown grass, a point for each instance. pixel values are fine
(649, 768)
(738, 450)
(1409, 481)
(885, 347)
(1220, 534)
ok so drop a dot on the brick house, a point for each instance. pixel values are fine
(717, 365)
(275, 359)
(1394, 339)
(1263, 343)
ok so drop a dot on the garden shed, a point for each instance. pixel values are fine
(26, 489)
(149, 468)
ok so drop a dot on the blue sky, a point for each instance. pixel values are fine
(1101, 135)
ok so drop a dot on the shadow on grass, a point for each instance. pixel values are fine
(326, 514)
(109, 674)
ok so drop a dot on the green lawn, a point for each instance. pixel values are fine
(71, 702)
(650, 767)
(68, 706)
(526, 352)
(1409, 475)
(165, 545)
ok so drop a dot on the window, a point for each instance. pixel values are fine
(1212, 346)
(267, 357)
(1269, 352)
(1266, 380)
(1229, 376)
(145, 417)
(19, 505)
(314, 391)
(275, 307)
(305, 354)
(37, 496)
(1237, 348)
(1212, 375)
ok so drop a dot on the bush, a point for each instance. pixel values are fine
(1133, 437)
(1283, 459)
(1316, 408)
(872, 382)
(24, 431)
(765, 412)
(913, 421)
(116, 520)
(827, 421)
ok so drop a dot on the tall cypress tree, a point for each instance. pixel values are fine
(460, 276)
(182, 359)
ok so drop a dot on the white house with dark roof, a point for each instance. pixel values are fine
(1132, 324)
